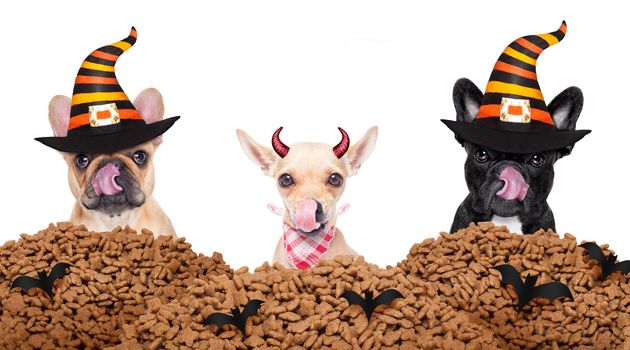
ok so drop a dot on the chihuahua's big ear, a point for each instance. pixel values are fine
(265, 157)
(150, 105)
(359, 152)
(467, 99)
(59, 115)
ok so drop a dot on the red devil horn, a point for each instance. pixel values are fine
(277, 145)
(342, 146)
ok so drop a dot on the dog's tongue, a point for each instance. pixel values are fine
(104, 182)
(305, 216)
(514, 186)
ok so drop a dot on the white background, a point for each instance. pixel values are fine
(310, 67)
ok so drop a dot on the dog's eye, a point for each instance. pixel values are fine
(481, 155)
(335, 180)
(538, 160)
(140, 157)
(285, 180)
(82, 161)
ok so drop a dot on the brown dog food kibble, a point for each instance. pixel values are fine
(598, 318)
(141, 293)
(313, 316)
(113, 277)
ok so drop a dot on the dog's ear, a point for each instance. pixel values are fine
(467, 99)
(59, 115)
(265, 157)
(565, 108)
(151, 107)
(359, 152)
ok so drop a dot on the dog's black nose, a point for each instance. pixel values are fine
(513, 157)
(115, 162)
(319, 213)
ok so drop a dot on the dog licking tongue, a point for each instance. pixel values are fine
(104, 181)
(305, 218)
(514, 186)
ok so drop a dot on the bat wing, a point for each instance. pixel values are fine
(219, 319)
(251, 309)
(595, 252)
(59, 271)
(386, 297)
(26, 283)
(551, 291)
(509, 276)
(354, 298)
(623, 267)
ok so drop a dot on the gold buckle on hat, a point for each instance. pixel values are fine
(515, 110)
(102, 115)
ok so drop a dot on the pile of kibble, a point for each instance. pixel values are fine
(453, 300)
(131, 291)
(112, 277)
(459, 267)
(303, 310)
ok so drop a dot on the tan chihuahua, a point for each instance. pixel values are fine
(311, 178)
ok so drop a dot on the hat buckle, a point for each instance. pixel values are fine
(103, 115)
(515, 110)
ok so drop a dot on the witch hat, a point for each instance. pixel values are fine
(102, 118)
(513, 115)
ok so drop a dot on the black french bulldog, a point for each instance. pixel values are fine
(510, 185)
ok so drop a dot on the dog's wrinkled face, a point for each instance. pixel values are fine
(508, 184)
(512, 184)
(111, 183)
(310, 178)
(114, 182)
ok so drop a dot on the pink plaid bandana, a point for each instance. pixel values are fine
(305, 251)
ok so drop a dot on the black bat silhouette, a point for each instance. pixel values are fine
(526, 291)
(44, 282)
(368, 304)
(608, 265)
(237, 318)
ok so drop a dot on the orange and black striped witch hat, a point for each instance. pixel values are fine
(102, 118)
(513, 115)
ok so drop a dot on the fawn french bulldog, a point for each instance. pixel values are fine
(109, 143)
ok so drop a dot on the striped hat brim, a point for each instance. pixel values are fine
(513, 141)
(109, 142)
